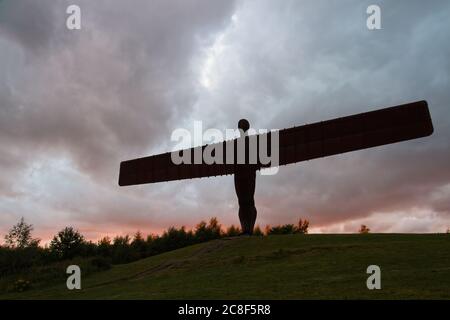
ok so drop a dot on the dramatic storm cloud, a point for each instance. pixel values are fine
(74, 103)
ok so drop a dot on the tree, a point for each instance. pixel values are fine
(138, 239)
(303, 226)
(19, 236)
(121, 241)
(139, 244)
(215, 228)
(104, 247)
(67, 243)
(205, 232)
(364, 229)
(122, 252)
(174, 238)
(233, 231)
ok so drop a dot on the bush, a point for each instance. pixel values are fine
(104, 247)
(15, 260)
(204, 232)
(257, 232)
(284, 229)
(232, 231)
(21, 285)
(101, 263)
(175, 238)
(302, 227)
(363, 229)
(121, 252)
(70, 247)
(139, 245)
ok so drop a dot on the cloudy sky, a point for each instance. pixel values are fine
(74, 103)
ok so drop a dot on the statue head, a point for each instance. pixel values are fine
(244, 125)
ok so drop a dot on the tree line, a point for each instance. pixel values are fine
(21, 251)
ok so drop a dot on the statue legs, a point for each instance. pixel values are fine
(247, 216)
(244, 183)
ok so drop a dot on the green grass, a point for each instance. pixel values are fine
(276, 267)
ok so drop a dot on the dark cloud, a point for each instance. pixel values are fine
(73, 104)
(112, 87)
(31, 23)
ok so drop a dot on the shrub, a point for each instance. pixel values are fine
(16, 260)
(70, 247)
(104, 247)
(302, 226)
(257, 232)
(232, 231)
(139, 245)
(175, 238)
(121, 252)
(21, 285)
(204, 232)
(363, 229)
(284, 229)
(101, 263)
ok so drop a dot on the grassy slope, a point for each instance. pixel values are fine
(277, 267)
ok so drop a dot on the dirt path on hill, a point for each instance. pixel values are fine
(173, 263)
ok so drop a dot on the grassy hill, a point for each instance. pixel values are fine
(276, 267)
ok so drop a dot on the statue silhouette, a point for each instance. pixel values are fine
(296, 144)
(244, 184)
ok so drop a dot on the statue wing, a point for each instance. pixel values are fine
(321, 139)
